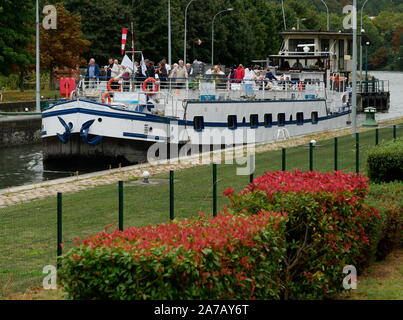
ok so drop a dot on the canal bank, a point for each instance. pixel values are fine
(20, 130)
(21, 194)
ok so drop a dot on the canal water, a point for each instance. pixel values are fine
(23, 164)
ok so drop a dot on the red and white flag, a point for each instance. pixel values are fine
(124, 39)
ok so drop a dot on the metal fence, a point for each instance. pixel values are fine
(33, 234)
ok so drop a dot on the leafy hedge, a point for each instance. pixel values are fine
(385, 162)
(328, 225)
(388, 197)
(227, 257)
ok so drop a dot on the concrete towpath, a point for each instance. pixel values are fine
(21, 194)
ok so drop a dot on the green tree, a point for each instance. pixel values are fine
(102, 23)
(16, 30)
(64, 46)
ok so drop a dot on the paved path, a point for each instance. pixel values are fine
(16, 195)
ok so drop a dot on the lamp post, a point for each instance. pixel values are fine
(298, 20)
(38, 61)
(282, 9)
(184, 41)
(328, 18)
(212, 34)
(366, 65)
(361, 31)
(169, 35)
(354, 63)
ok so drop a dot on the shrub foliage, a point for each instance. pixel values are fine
(327, 226)
(385, 162)
(227, 257)
(288, 235)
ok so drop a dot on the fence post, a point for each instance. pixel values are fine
(336, 153)
(59, 225)
(357, 152)
(310, 156)
(171, 195)
(394, 133)
(120, 205)
(376, 136)
(283, 159)
(214, 189)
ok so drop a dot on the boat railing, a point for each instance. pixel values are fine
(221, 88)
(372, 86)
(289, 54)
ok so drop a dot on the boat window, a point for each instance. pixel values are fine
(314, 117)
(232, 122)
(300, 118)
(254, 120)
(268, 120)
(281, 119)
(198, 123)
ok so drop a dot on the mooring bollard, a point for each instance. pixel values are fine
(121, 192)
(214, 189)
(252, 167)
(59, 226)
(336, 153)
(311, 146)
(171, 195)
(357, 152)
(283, 159)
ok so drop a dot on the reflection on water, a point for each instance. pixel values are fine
(23, 164)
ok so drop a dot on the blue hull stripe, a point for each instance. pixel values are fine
(143, 136)
(157, 119)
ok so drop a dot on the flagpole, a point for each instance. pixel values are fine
(38, 61)
(132, 45)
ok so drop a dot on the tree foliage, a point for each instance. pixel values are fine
(16, 30)
(248, 32)
(64, 46)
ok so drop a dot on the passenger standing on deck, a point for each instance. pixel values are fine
(116, 69)
(162, 72)
(108, 69)
(239, 73)
(189, 69)
(231, 74)
(93, 71)
(150, 69)
(115, 72)
(249, 81)
(179, 74)
(126, 74)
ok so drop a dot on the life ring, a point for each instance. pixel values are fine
(104, 95)
(301, 86)
(110, 83)
(156, 86)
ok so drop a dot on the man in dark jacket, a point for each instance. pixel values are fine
(109, 69)
(93, 72)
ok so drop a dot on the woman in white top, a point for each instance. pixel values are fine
(116, 69)
(249, 81)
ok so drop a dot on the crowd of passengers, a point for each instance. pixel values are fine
(179, 73)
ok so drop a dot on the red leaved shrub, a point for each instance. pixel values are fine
(227, 257)
(327, 228)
